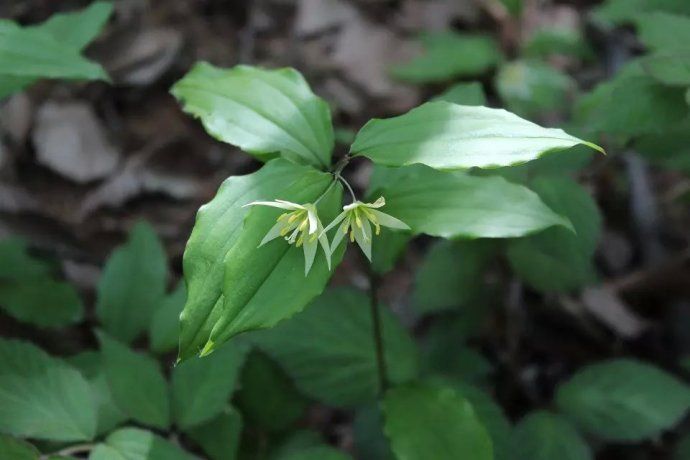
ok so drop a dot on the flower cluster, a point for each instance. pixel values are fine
(302, 227)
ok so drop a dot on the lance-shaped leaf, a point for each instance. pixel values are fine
(450, 136)
(218, 227)
(453, 204)
(263, 112)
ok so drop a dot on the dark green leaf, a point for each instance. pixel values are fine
(452, 204)
(218, 227)
(316, 453)
(263, 112)
(132, 284)
(682, 451)
(370, 441)
(137, 444)
(449, 55)
(557, 40)
(615, 12)
(451, 275)
(201, 387)
(43, 302)
(546, 436)
(267, 396)
(450, 136)
(17, 264)
(464, 94)
(337, 363)
(670, 148)
(164, 332)
(16, 449)
(79, 28)
(664, 32)
(219, 437)
(425, 422)
(43, 397)
(136, 383)
(557, 259)
(669, 68)
(624, 400)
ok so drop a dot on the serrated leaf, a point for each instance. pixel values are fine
(464, 94)
(624, 400)
(559, 260)
(219, 437)
(453, 204)
(664, 32)
(267, 396)
(450, 136)
(43, 397)
(132, 284)
(451, 275)
(136, 383)
(263, 112)
(137, 444)
(449, 55)
(424, 422)
(164, 332)
(34, 53)
(218, 226)
(201, 387)
(16, 449)
(545, 436)
(43, 302)
(337, 364)
(530, 88)
(265, 285)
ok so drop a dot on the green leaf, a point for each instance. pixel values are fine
(559, 40)
(34, 53)
(263, 112)
(464, 94)
(164, 332)
(425, 422)
(452, 204)
(557, 259)
(664, 32)
(370, 441)
(17, 264)
(337, 363)
(43, 302)
(79, 28)
(451, 275)
(267, 396)
(219, 437)
(137, 444)
(531, 88)
(450, 136)
(316, 453)
(201, 387)
(616, 12)
(136, 383)
(449, 55)
(16, 449)
(218, 227)
(670, 148)
(545, 436)
(492, 417)
(265, 285)
(624, 400)
(132, 284)
(669, 68)
(43, 397)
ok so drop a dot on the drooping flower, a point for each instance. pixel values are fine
(357, 219)
(300, 226)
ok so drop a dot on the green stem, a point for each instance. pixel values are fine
(377, 330)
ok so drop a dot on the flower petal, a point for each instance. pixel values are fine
(335, 222)
(290, 203)
(363, 238)
(273, 204)
(272, 234)
(380, 202)
(389, 221)
(313, 219)
(310, 247)
(323, 240)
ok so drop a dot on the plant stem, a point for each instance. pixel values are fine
(378, 333)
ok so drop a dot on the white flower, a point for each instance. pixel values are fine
(357, 217)
(301, 227)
